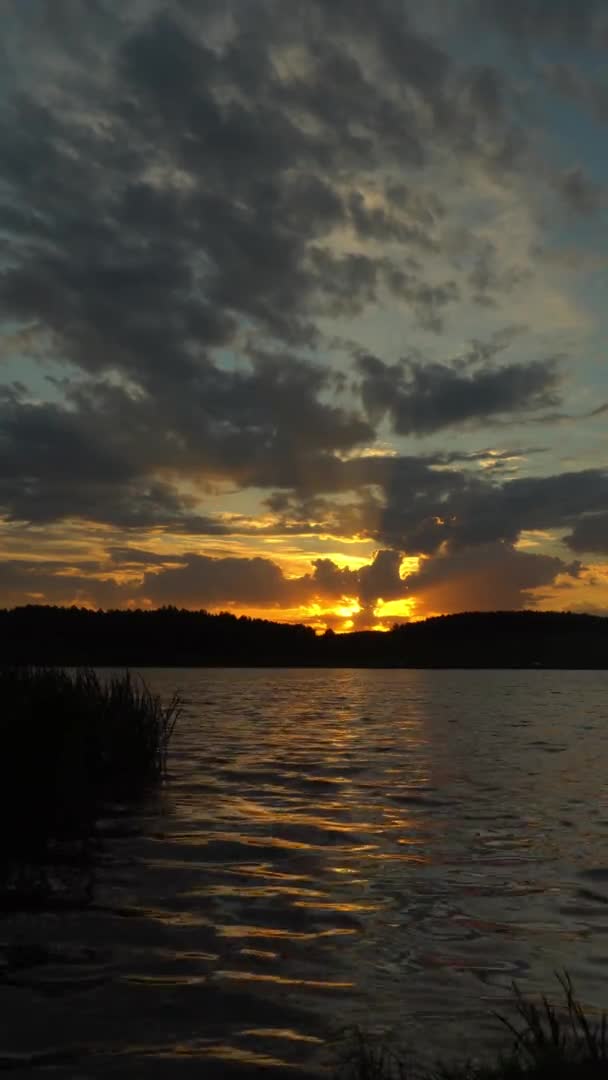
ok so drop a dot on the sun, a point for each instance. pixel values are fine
(347, 608)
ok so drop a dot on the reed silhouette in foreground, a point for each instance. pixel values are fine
(71, 744)
(549, 1042)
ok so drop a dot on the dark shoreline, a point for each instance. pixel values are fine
(172, 638)
(278, 665)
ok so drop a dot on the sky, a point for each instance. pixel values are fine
(302, 306)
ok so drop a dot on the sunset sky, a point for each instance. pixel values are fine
(303, 306)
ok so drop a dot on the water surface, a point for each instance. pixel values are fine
(386, 848)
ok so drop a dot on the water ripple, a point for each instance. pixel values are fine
(332, 847)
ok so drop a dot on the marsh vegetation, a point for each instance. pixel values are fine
(71, 744)
(549, 1041)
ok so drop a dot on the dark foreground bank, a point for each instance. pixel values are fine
(168, 637)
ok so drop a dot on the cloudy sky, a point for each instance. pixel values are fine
(302, 306)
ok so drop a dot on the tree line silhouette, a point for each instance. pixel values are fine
(168, 636)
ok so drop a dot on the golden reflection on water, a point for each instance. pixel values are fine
(229, 1053)
(252, 841)
(283, 980)
(260, 954)
(265, 871)
(281, 1033)
(374, 833)
(238, 931)
(166, 980)
(337, 907)
(253, 892)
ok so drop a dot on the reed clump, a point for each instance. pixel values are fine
(548, 1042)
(72, 742)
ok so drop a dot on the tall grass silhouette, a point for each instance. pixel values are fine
(548, 1042)
(71, 743)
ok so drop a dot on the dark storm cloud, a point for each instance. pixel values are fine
(427, 301)
(536, 503)
(414, 225)
(416, 505)
(412, 477)
(24, 581)
(493, 576)
(486, 90)
(59, 463)
(199, 580)
(99, 457)
(407, 504)
(534, 22)
(421, 398)
(202, 581)
(472, 510)
(578, 192)
(411, 57)
(590, 534)
(142, 275)
(155, 209)
(130, 557)
(489, 278)
(240, 191)
(379, 579)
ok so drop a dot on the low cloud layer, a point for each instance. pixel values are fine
(493, 576)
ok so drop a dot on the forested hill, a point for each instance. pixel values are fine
(167, 637)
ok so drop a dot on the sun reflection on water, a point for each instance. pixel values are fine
(334, 847)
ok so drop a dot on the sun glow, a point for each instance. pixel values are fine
(404, 608)
(322, 616)
(410, 564)
(348, 608)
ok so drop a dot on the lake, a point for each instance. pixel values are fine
(332, 847)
